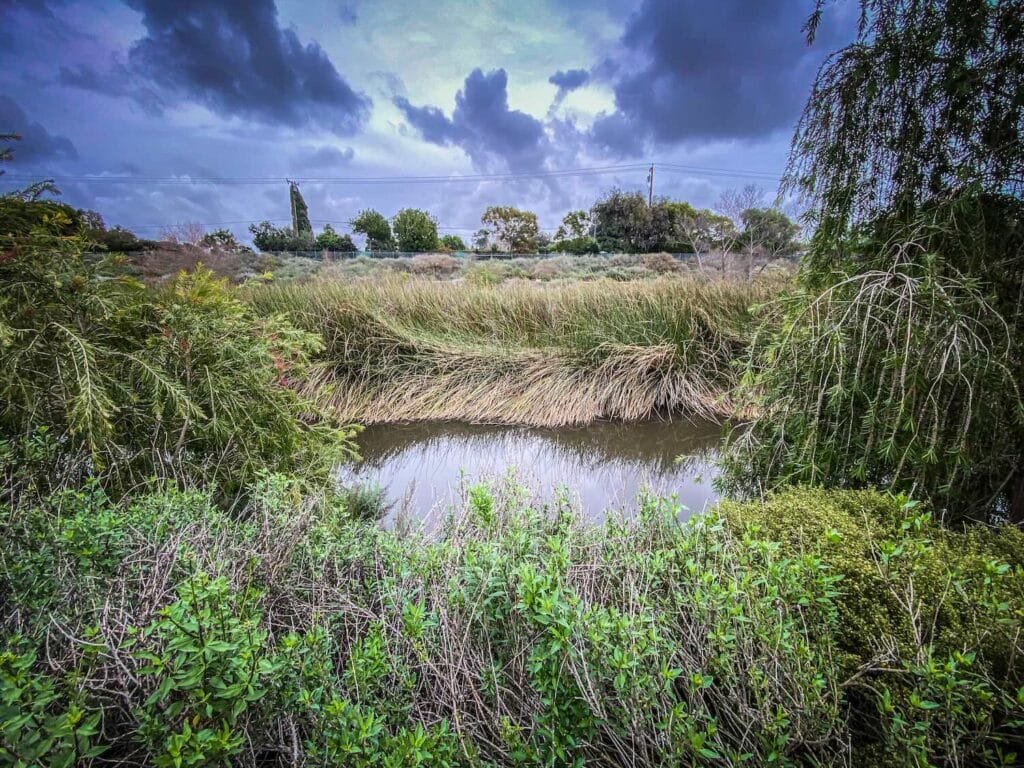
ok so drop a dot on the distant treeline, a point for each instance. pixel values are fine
(619, 222)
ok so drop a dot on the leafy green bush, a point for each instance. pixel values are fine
(209, 665)
(287, 631)
(40, 725)
(929, 618)
(130, 382)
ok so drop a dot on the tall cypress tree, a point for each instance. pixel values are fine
(300, 212)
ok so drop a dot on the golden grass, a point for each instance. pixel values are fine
(541, 355)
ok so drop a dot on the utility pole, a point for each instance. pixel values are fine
(650, 186)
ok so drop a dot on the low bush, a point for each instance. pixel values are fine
(101, 376)
(661, 263)
(364, 501)
(433, 264)
(288, 633)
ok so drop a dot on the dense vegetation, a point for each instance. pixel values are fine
(899, 361)
(165, 631)
(104, 378)
(523, 354)
(181, 584)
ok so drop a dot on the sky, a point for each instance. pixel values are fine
(160, 112)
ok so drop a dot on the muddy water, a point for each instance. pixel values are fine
(424, 468)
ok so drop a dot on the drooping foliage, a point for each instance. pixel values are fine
(927, 101)
(905, 376)
(122, 382)
(901, 356)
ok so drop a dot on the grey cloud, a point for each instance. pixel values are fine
(733, 69)
(236, 59)
(326, 156)
(36, 143)
(567, 81)
(482, 124)
(117, 81)
(347, 14)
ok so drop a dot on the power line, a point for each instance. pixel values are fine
(190, 180)
(185, 180)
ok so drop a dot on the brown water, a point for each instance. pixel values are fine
(424, 468)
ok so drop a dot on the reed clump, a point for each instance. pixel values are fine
(523, 353)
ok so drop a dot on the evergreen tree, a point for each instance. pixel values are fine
(300, 212)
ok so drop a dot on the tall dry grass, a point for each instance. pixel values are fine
(543, 355)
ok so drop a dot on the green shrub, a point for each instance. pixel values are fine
(364, 501)
(929, 618)
(39, 724)
(820, 628)
(128, 382)
(206, 665)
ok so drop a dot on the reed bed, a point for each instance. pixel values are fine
(523, 353)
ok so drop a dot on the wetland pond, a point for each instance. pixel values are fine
(423, 468)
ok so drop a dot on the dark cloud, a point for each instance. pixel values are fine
(733, 69)
(116, 81)
(483, 125)
(237, 60)
(567, 81)
(39, 7)
(36, 143)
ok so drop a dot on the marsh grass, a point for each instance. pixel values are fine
(523, 353)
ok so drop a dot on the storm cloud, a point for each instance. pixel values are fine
(237, 60)
(482, 124)
(733, 69)
(567, 81)
(37, 143)
(116, 81)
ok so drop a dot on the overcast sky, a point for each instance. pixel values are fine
(136, 107)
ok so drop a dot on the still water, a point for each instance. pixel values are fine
(423, 468)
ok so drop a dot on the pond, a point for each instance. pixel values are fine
(423, 468)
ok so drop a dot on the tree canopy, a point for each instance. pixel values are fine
(329, 240)
(453, 243)
(514, 230)
(375, 227)
(927, 100)
(415, 230)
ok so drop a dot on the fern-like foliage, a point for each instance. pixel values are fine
(130, 382)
